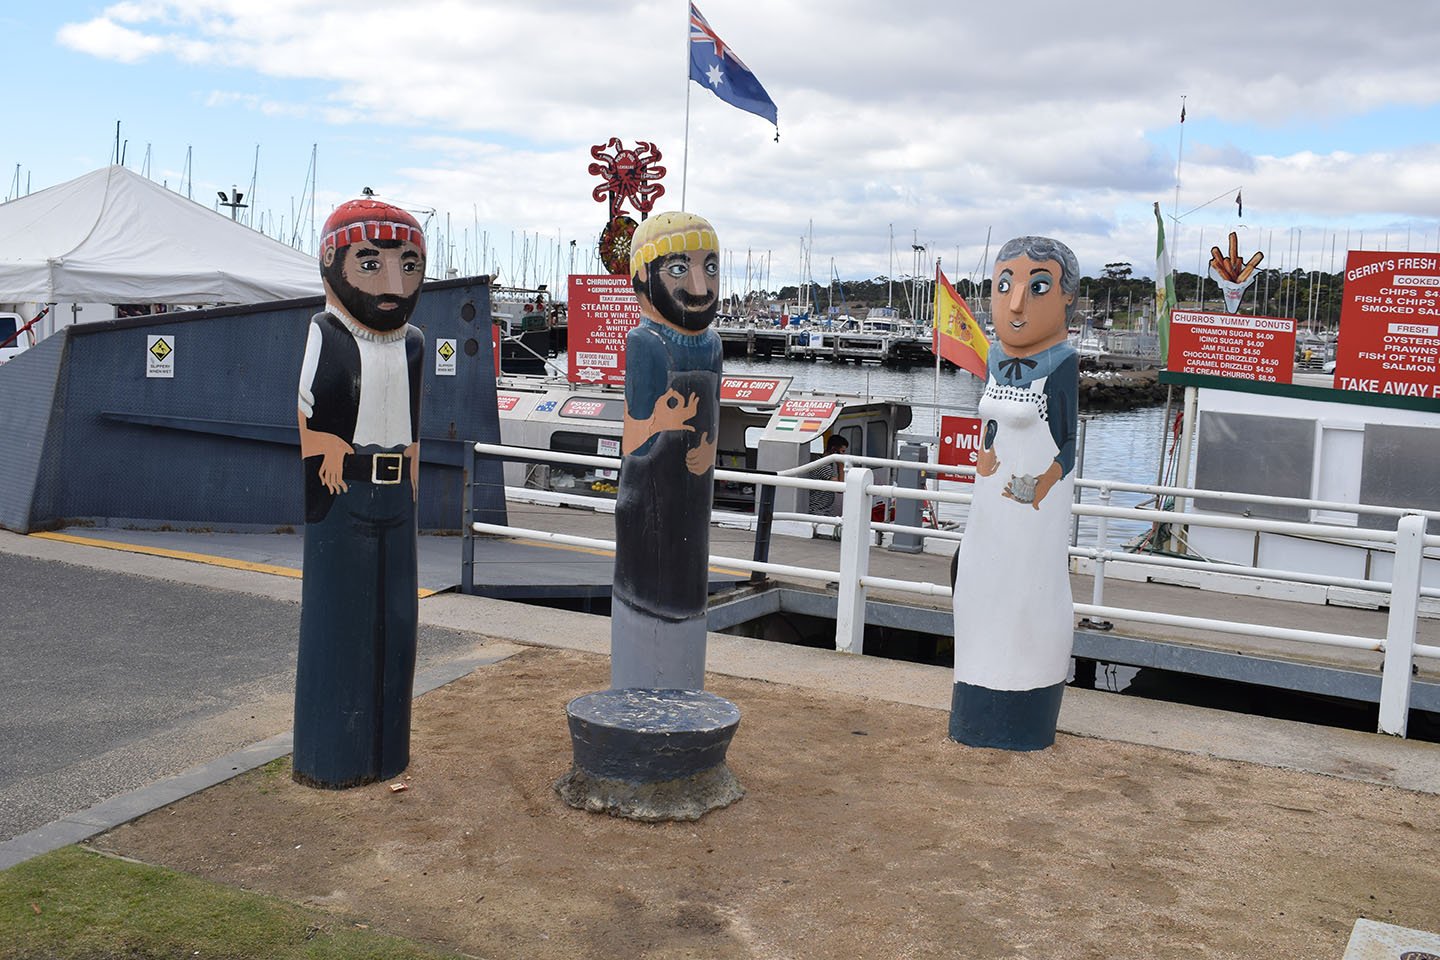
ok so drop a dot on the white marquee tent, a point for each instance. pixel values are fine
(112, 236)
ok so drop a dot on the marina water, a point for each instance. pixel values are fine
(1120, 445)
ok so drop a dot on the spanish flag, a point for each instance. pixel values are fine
(958, 336)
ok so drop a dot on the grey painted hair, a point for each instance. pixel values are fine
(1041, 249)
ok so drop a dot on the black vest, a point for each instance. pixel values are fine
(336, 389)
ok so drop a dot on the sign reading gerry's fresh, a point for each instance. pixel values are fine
(1390, 324)
(1229, 345)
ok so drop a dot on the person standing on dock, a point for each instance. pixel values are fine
(823, 503)
(667, 486)
(359, 414)
(1013, 615)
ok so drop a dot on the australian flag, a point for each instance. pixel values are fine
(714, 66)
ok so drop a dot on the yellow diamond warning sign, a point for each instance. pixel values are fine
(445, 357)
(160, 356)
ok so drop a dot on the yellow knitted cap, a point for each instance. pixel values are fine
(666, 233)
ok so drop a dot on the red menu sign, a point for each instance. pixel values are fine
(1230, 345)
(602, 309)
(756, 390)
(1390, 324)
(602, 409)
(959, 446)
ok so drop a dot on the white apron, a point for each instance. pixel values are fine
(1013, 613)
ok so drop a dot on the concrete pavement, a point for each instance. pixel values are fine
(135, 679)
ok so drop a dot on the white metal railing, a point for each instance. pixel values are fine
(856, 526)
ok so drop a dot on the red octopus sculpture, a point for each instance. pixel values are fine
(628, 174)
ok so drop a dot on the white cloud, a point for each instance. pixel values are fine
(932, 117)
(103, 37)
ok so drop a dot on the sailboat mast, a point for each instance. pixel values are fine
(890, 274)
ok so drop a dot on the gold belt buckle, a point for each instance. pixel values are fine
(397, 459)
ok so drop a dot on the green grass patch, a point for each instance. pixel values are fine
(74, 904)
(270, 773)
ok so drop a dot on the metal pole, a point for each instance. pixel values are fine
(907, 512)
(764, 518)
(1179, 158)
(685, 156)
(1400, 628)
(1102, 534)
(854, 562)
(467, 530)
(1182, 472)
(1079, 472)
(1160, 469)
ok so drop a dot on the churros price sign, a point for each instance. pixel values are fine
(1225, 345)
(602, 310)
(1390, 324)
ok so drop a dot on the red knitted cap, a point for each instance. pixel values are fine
(369, 219)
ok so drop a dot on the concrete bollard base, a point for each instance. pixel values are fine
(651, 755)
(688, 798)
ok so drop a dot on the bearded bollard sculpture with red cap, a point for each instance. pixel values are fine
(359, 415)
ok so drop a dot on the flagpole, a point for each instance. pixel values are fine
(685, 155)
(1172, 243)
(935, 335)
(1175, 209)
(1179, 159)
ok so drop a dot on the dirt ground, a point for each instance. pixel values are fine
(865, 834)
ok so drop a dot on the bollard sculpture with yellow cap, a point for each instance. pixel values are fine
(653, 746)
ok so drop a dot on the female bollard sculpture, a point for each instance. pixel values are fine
(359, 412)
(1013, 613)
(653, 746)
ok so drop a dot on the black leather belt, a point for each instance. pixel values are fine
(381, 468)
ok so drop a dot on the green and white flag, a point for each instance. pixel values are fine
(1164, 288)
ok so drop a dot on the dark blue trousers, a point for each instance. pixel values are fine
(358, 616)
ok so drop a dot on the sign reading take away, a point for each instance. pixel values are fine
(1390, 324)
(602, 310)
(1230, 345)
(959, 446)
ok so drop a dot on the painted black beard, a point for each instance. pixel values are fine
(686, 311)
(366, 307)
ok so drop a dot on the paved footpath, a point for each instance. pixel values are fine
(133, 680)
(121, 669)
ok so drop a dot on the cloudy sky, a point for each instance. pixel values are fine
(941, 121)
